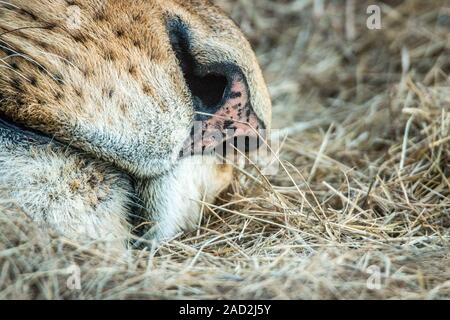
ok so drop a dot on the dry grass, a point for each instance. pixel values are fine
(365, 184)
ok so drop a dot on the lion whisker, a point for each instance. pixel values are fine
(28, 58)
(21, 28)
(7, 66)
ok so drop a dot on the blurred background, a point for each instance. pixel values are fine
(323, 63)
(371, 99)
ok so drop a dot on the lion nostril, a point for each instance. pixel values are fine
(207, 88)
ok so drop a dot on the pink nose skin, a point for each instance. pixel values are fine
(234, 121)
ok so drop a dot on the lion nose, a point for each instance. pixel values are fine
(228, 120)
(232, 119)
(221, 100)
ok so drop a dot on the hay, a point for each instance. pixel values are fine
(360, 207)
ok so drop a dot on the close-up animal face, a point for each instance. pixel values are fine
(138, 159)
(125, 80)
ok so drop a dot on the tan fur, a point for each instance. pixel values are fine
(112, 88)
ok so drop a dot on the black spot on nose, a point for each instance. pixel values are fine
(207, 84)
(228, 124)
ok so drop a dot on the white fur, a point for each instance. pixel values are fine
(78, 198)
(175, 200)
